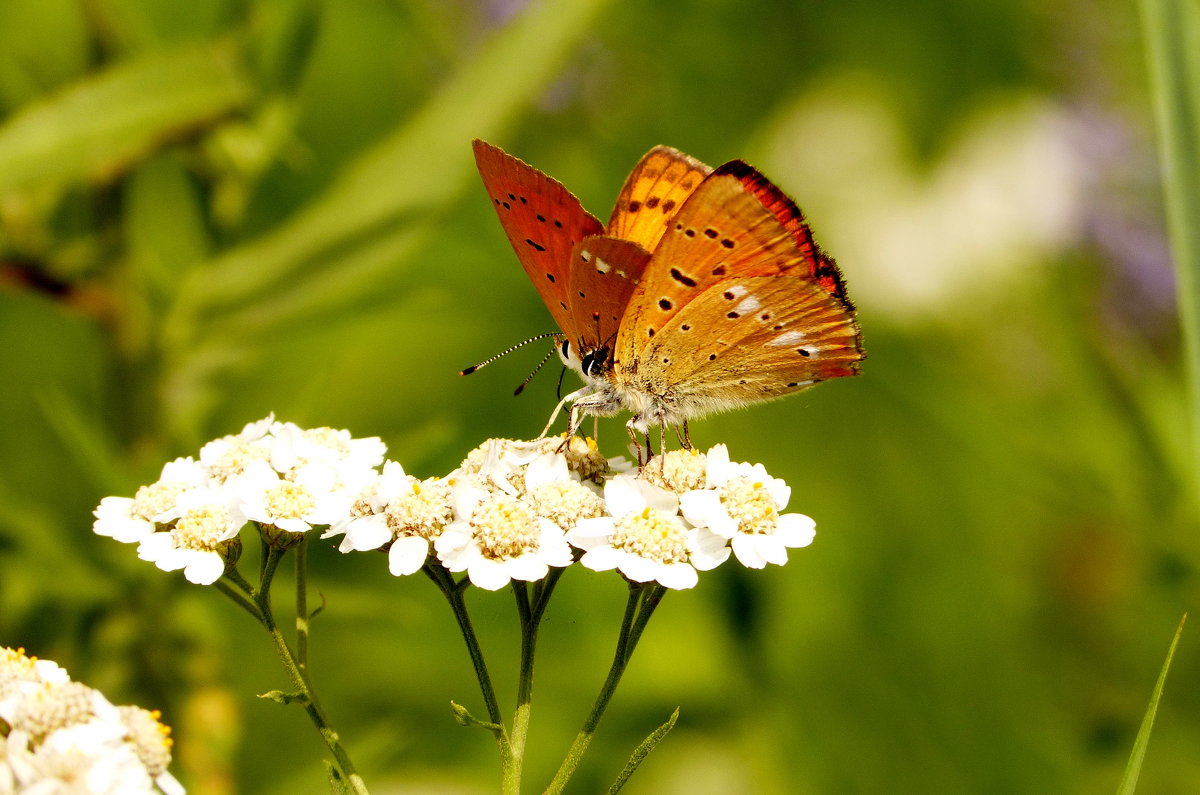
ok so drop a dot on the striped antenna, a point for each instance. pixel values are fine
(507, 351)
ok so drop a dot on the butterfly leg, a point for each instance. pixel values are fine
(572, 414)
(685, 435)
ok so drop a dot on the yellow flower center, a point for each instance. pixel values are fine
(651, 535)
(202, 528)
(289, 501)
(505, 528)
(750, 504)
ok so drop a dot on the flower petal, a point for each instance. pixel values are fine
(204, 568)
(407, 555)
(796, 530)
(490, 575)
(602, 558)
(677, 576)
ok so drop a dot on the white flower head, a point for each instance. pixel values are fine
(742, 503)
(398, 510)
(129, 520)
(677, 470)
(292, 504)
(498, 538)
(352, 460)
(644, 537)
(65, 737)
(229, 456)
(201, 539)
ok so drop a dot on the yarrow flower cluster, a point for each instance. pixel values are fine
(510, 511)
(284, 478)
(61, 736)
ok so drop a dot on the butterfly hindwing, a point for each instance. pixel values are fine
(654, 190)
(543, 222)
(750, 339)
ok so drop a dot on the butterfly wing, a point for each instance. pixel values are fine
(724, 230)
(748, 340)
(657, 186)
(735, 281)
(604, 272)
(543, 222)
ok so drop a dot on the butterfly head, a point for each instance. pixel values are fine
(592, 364)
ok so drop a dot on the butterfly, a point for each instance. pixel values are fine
(704, 292)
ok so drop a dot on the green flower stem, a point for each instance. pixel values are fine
(520, 730)
(240, 597)
(643, 599)
(316, 714)
(454, 593)
(258, 604)
(302, 603)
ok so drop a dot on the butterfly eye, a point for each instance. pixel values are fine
(594, 361)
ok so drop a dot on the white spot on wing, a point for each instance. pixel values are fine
(787, 338)
(737, 290)
(747, 305)
(602, 266)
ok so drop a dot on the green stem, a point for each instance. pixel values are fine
(643, 599)
(520, 726)
(316, 714)
(1171, 31)
(240, 599)
(259, 605)
(302, 604)
(454, 593)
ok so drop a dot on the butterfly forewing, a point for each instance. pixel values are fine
(654, 190)
(603, 274)
(775, 201)
(748, 340)
(722, 232)
(543, 222)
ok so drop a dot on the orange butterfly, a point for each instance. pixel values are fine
(705, 291)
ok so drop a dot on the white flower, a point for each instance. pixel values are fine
(206, 524)
(229, 456)
(677, 470)
(292, 504)
(500, 539)
(399, 509)
(742, 503)
(62, 737)
(352, 460)
(129, 520)
(644, 538)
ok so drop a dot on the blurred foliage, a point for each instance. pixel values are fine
(215, 210)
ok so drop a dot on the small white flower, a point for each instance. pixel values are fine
(293, 504)
(62, 737)
(644, 538)
(293, 448)
(200, 537)
(229, 456)
(129, 520)
(677, 470)
(502, 540)
(401, 510)
(742, 503)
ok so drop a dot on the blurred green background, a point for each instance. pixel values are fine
(214, 210)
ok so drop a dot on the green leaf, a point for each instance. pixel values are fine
(1134, 767)
(100, 125)
(1171, 29)
(642, 751)
(280, 697)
